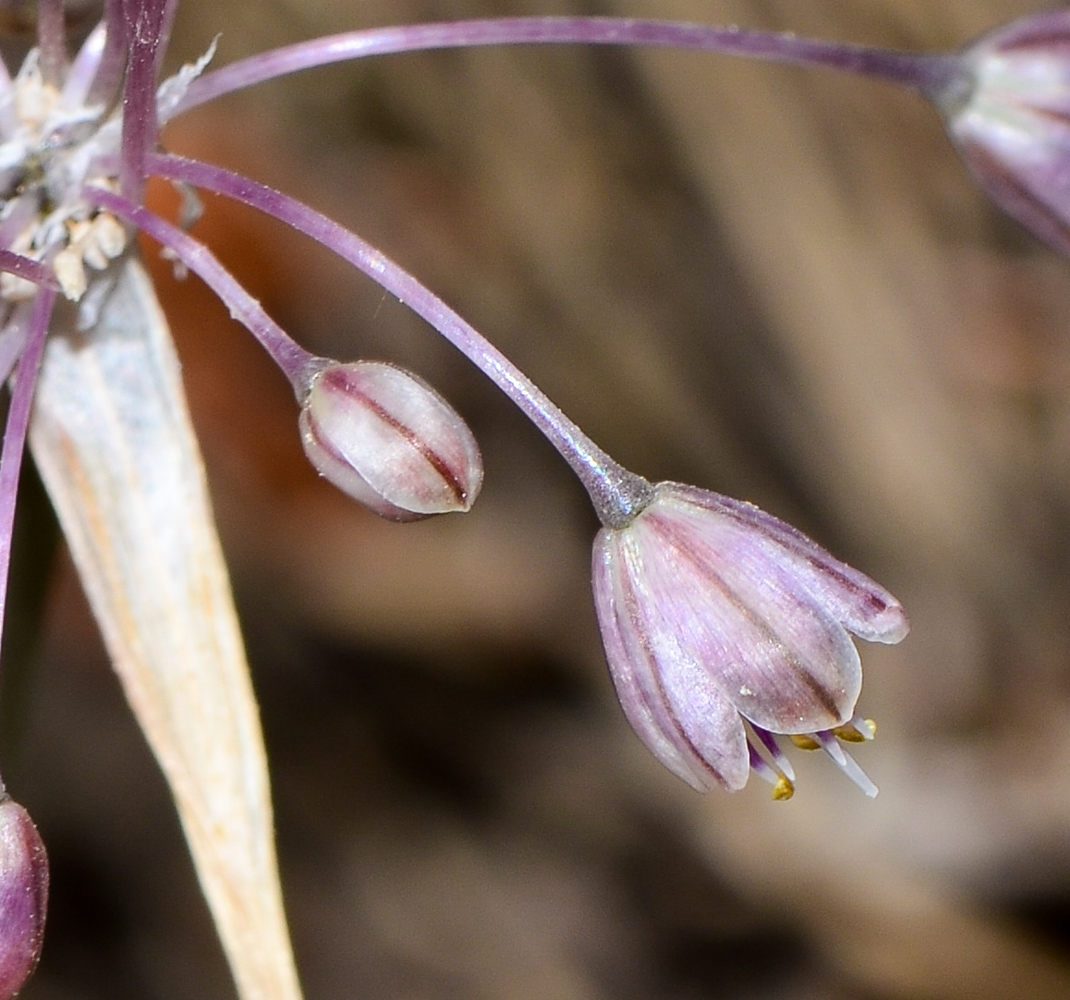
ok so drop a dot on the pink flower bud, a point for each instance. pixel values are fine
(715, 614)
(389, 440)
(1008, 110)
(23, 896)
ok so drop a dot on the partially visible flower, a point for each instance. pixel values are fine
(1008, 111)
(23, 896)
(718, 619)
(389, 440)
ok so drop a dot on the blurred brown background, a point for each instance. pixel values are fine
(773, 283)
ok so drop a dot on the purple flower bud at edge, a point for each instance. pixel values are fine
(1008, 111)
(23, 896)
(725, 627)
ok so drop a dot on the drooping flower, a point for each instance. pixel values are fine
(718, 619)
(1008, 110)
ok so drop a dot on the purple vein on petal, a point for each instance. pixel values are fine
(84, 68)
(678, 542)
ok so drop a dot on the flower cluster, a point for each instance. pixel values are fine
(724, 627)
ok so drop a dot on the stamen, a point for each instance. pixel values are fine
(804, 742)
(858, 730)
(846, 763)
(783, 786)
(784, 790)
(768, 740)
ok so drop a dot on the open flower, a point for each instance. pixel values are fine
(715, 614)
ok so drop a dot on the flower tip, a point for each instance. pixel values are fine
(23, 896)
(390, 441)
(891, 626)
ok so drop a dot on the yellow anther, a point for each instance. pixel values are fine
(861, 733)
(783, 790)
(849, 734)
(805, 742)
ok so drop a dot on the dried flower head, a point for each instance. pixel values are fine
(718, 617)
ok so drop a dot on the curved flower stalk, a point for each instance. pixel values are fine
(1005, 98)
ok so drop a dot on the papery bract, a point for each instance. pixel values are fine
(714, 612)
(1008, 111)
(389, 440)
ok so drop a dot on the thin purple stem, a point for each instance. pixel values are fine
(293, 359)
(18, 421)
(13, 339)
(52, 40)
(143, 28)
(113, 59)
(618, 495)
(31, 270)
(918, 70)
(167, 22)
